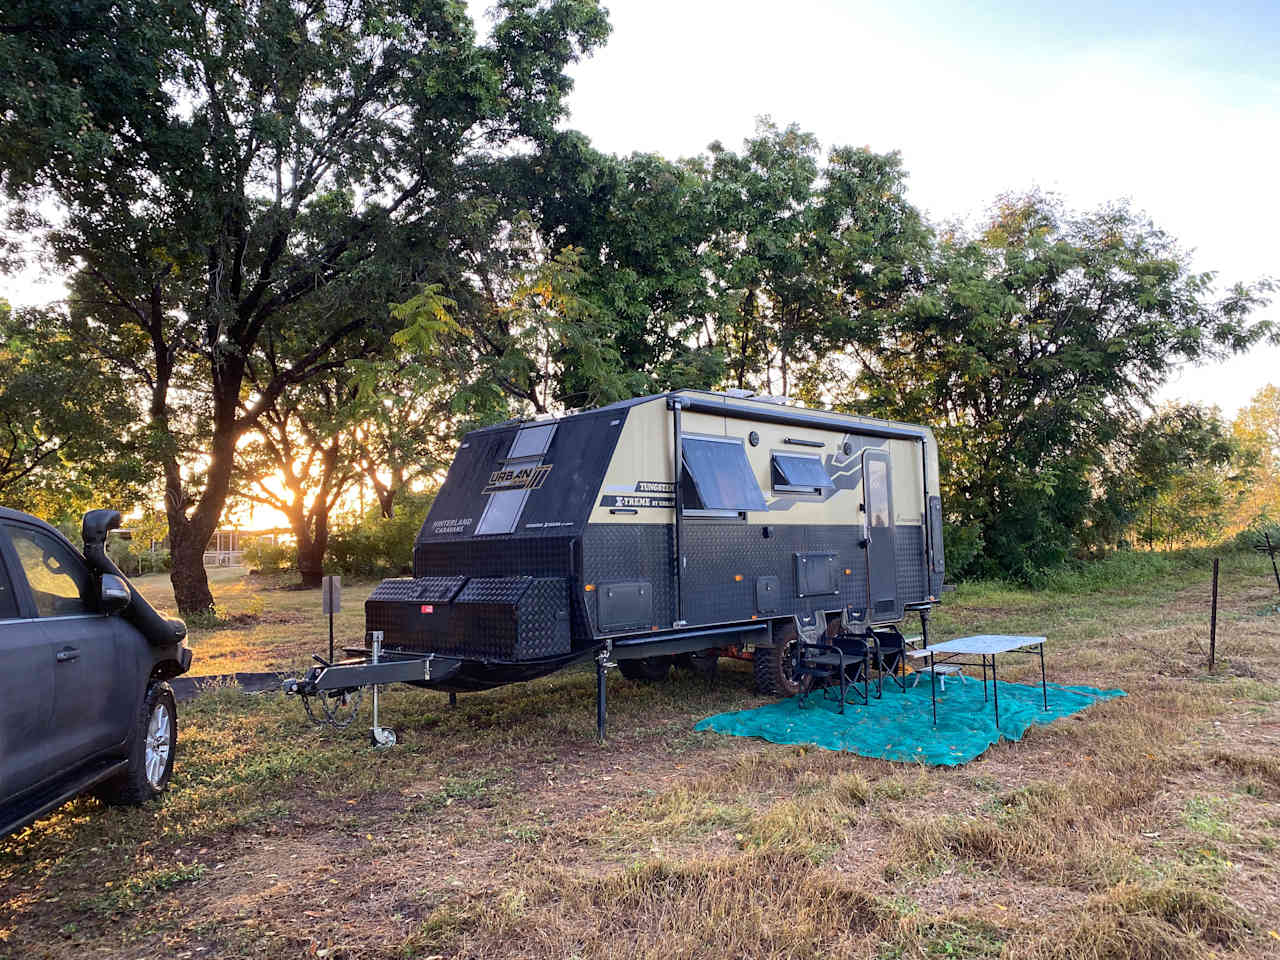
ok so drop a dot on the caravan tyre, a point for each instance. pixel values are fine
(774, 667)
(647, 670)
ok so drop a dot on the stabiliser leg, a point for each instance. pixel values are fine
(602, 666)
(453, 699)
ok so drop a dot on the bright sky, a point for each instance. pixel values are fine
(1173, 105)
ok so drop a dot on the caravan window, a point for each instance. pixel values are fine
(799, 473)
(718, 477)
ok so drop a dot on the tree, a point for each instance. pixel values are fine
(221, 167)
(300, 460)
(1034, 346)
(406, 429)
(68, 423)
(1174, 476)
(513, 335)
(642, 225)
(801, 253)
(1257, 429)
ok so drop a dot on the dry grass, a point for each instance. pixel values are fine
(1145, 828)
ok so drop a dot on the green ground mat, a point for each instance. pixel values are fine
(899, 725)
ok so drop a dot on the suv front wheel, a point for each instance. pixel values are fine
(154, 741)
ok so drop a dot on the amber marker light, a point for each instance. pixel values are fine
(737, 578)
(589, 587)
(848, 572)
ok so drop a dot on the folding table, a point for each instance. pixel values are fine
(986, 646)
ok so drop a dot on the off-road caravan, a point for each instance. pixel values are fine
(684, 525)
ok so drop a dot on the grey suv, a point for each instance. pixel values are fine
(83, 664)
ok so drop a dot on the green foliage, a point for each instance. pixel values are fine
(1175, 477)
(68, 427)
(521, 338)
(243, 187)
(1255, 535)
(962, 549)
(746, 268)
(376, 545)
(1257, 429)
(138, 563)
(267, 556)
(1033, 348)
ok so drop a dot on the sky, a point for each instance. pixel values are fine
(1172, 106)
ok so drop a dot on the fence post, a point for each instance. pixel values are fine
(1213, 618)
(1271, 552)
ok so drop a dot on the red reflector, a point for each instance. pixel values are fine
(428, 608)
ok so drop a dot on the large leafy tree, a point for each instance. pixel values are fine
(1036, 345)
(218, 168)
(1257, 429)
(510, 328)
(68, 422)
(803, 253)
(732, 268)
(1173, 477)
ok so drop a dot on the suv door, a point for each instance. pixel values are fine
(91, 709)
(26, 691)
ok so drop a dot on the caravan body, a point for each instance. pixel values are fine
(664, 524)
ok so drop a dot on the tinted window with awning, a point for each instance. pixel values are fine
(719, 476)
(798, 473)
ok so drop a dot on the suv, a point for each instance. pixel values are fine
(83, 664)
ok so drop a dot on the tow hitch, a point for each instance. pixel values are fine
(331, 692)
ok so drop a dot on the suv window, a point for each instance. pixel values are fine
(59, 582)
(8, 602)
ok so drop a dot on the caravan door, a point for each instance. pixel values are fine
(883, 602)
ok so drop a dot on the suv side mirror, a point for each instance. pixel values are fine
(115, 594)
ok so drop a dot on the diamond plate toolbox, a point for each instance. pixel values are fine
(483, 618)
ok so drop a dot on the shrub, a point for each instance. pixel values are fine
(1252, 537)
(962, 548)
(376, 546)
(267, 557)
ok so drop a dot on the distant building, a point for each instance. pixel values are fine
(226, 547)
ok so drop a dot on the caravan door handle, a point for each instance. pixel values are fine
(67, 654)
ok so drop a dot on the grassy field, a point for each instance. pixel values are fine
(1146, 827)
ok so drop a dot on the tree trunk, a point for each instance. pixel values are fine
(311, 562)
(190, 582)
(313, 540)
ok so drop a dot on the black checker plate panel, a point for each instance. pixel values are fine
(426, 589)
(495, 590)
(716, 553)
(510, 557)
(909, 559)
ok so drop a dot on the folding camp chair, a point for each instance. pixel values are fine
(889, 656)
(842, 662)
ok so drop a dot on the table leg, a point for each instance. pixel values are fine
(933, 690)
(1044, 684)
(995, 688)
(984, 678)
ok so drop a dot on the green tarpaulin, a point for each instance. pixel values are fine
(899, 725)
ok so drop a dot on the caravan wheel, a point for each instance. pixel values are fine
(774, 667)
